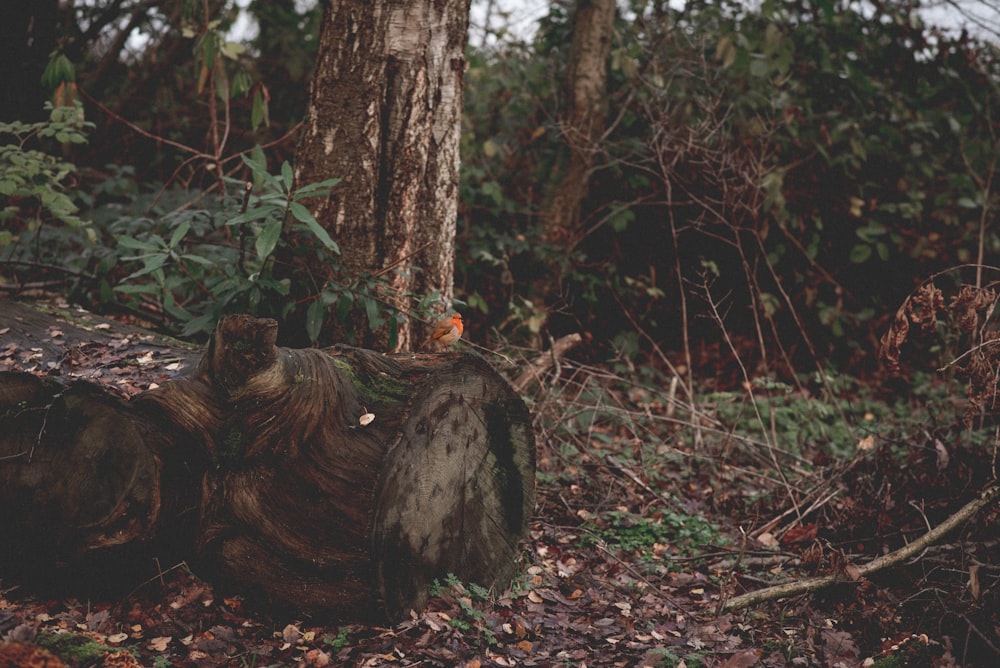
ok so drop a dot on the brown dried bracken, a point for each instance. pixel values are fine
(920, 308)
(895, 337)
(967, 304)
(924, 305)
(969, 312)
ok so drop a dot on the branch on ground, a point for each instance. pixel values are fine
(908, 551)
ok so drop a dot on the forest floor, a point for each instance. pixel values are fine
(651, 514)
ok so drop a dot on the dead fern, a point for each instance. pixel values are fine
(968, 314)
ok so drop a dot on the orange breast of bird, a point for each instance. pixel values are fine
(447, 331)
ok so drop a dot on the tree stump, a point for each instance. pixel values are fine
(336, 481)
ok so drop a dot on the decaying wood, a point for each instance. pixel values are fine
(41, 462)
(538, 367)
(908, 551)
(338, 481)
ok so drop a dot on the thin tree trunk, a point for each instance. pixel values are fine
(587, 79)
(384, 116)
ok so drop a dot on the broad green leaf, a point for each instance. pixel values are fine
(268, 238)
(135, 244)
(318, 189)
(241, 84)
(344, 305)
(260, 114)
(174, 309)
(198, 259)
(179, 233)
(860, 253)
(258, 165)
(301, 214)
(373, 310)
(152, 263)
(314, 320)
(232, 50)
(287, 176)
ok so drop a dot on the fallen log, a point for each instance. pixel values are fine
(337, 481)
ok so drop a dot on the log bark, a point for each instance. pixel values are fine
(338, 481)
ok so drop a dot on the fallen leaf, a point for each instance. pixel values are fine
(291, 634)
(742, 659)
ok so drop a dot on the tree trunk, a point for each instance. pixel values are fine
(385, 117)
(337, 481)
(586, 108)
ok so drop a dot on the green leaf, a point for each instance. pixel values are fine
(256, 214)
(198, 259)
(287, 176)
(319, 189)
(241, 83)
(135, 244)
(151, 263)
(344, 305)
(268, 238)
(145, 288)
(314, 320)
(231, 50)
(58, 70)
(259, 113)
(179, 232)
(258, 165)
(860, 253)
(174, 309)
(302, 214)
(758, 67)
(374, 312)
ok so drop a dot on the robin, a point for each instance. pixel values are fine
(447, 331)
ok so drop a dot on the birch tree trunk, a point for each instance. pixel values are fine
(384, 116)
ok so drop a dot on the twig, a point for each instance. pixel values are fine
(246, 197)
(400, 261)
(145, 133)
(810, 585)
